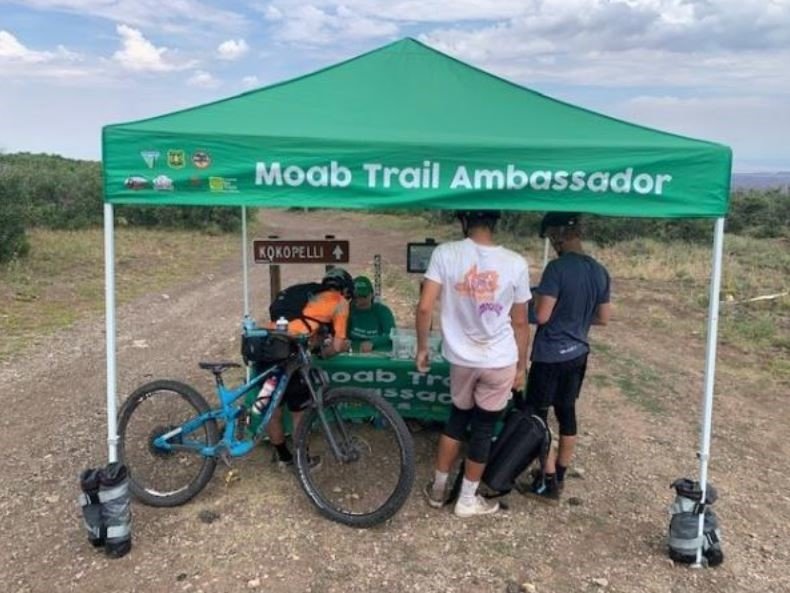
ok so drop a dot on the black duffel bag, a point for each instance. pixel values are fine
(264, 347)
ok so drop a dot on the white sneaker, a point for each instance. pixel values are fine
(478, 506)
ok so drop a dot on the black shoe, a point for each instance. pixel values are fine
(546, 489)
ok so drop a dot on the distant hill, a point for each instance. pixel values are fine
(772, 180)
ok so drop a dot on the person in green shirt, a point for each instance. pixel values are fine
(369, 323)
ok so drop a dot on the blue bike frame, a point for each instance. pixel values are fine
(229, 413)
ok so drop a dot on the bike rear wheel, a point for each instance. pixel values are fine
(159, 477)
(372, 478)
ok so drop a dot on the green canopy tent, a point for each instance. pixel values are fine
(405, 126)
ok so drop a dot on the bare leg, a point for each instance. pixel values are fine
(567, 447)
(565, 455)
(447, 453)
(275, 428)
(473, 471)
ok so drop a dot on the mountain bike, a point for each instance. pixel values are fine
(171, 439)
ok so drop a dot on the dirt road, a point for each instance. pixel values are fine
(638, 418)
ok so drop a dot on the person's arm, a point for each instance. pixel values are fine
(602, 314)
(340, 327)
(430, 293)
(544, 307)
(547, 293)
(520, 323)
(604, 309)
(386, 323)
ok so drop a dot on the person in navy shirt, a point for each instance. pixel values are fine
(573, 295)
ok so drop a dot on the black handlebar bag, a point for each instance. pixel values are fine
(265, 347)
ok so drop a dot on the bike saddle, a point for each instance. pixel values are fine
(218, 367)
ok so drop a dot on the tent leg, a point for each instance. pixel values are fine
(710, 368)
(245, 268)
(109, 303)
(244, 260)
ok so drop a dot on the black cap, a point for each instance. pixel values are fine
(563, 219)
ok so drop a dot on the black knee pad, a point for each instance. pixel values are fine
(483, 423)
(566, 418)
(457, 423)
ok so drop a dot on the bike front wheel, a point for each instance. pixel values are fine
(158, 477)
(355, 458)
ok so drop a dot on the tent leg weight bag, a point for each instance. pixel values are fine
(683, 541)
(91, 507)
(106, 508)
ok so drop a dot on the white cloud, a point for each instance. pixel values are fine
(232, 49)
(140, 55)
(203, 79)
(631, 42)
(175, 16)
(17, 61)
(12, 50)
(406, 11)
(310, 25)
(250, 81)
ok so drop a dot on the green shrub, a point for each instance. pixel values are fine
(13, 206)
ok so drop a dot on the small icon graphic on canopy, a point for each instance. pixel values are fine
(135, 182)
(176, 159)
(222, 185)
(201, 159)
(163, 183)
(150, 157)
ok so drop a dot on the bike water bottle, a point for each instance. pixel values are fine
(265, 395)
(281, 324)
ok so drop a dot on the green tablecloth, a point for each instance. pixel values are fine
(414, 395)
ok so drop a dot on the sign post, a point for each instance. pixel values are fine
(377, 275)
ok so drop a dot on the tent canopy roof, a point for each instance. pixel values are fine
(399, 123)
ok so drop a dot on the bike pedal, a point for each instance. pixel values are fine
(224, 456)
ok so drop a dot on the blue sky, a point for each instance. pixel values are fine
(713, 69)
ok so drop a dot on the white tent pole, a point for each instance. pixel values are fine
(244, 261)
(244, 265)
(545, 252)
(109, 304)
(710, 369)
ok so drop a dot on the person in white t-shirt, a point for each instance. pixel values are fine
(484, 291)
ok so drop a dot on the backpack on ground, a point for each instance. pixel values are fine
(290, 302)
(684, 524)
(524, 439)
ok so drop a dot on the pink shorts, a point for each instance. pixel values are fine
(488, 389)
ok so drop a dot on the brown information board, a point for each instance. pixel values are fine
(300, 252)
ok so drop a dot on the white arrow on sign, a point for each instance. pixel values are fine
(338, 252)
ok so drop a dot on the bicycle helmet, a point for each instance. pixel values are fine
(339, 279)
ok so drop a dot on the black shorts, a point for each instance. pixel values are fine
(552, 383)
(297, 394)
(558, 385)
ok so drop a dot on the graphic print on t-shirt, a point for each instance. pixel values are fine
(482, 288)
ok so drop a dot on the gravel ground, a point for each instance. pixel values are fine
(258, 532)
